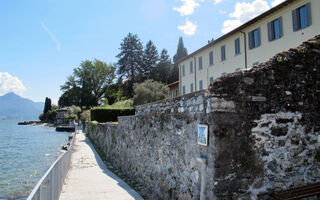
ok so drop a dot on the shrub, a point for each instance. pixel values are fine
(122, 104)
(102, 114)
(149, 91)
(85, 116)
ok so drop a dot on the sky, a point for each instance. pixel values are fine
(42, 41)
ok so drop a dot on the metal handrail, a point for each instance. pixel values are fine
(50, 185)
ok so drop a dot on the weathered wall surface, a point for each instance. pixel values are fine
(263, 133)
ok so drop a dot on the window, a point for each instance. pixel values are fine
(200, 63)
(183, 71)
(184, 89)
(275, 29)
(210, 58)
(238, 69)
(211, 79)
(191, 67)
(237, 46)
(301, 17)
(223, 52)
(254, 38)
(200, 85)
(191, 87)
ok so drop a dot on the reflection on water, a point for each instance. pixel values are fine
(26, 152)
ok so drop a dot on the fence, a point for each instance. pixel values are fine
(50, 185)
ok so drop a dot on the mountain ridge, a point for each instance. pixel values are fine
(13, 106)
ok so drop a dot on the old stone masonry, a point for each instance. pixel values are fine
(263, 134)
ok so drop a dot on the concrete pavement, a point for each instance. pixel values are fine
(88, 177)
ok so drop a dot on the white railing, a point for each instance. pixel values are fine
(50, 185)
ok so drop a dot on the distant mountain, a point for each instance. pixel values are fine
(13, 106)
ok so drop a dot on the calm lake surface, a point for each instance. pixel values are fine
(26, 152)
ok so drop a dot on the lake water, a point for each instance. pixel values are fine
(26, 152)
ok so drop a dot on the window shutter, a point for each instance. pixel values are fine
(259, 35)
(223, 52)
(237, 46)
(250, 40)
(270, 31)
(280, 26)
(308, 6)
(295, 19)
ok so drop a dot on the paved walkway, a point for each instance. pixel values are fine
(88, 178)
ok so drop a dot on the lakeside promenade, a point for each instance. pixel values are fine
(89, 178)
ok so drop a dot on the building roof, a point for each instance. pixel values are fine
(172, 83)
(268, 12)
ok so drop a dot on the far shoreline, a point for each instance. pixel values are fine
(37, 123)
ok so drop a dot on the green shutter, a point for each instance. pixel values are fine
(308, 7)
(280, 26)
(295, 20)
(259, 35)
(270, 31)
(250, 40)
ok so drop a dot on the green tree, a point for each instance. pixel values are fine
(130, 60)
(87, 86)
(47, 105)
(181, 51)
(162, 71)
(72, 93)
(149, 91)
(150, 59)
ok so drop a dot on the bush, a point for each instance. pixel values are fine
(122, 104)
(101, 114)
(149, 91)
(49, 116)
(85, 116)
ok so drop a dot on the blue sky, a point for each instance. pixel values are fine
(41, 41)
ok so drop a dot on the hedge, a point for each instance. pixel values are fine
(101, 114)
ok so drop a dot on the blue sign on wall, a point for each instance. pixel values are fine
(203, 134)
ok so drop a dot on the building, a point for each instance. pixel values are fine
(174, 89)
(280, 28)
(61, 115)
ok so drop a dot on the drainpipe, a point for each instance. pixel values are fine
(180, 80)
(245, 50)
(195, 74)
(203, 162)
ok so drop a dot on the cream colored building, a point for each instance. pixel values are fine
(280, 28)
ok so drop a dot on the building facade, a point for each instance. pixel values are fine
(280, 28)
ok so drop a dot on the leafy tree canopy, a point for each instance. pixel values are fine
(149, 91)
(87, 86)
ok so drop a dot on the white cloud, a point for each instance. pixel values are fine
(52, 36)
(243, 12)
(222, 12)
(9, 83)
(188, 28)
(230, 24)
(276, 2)
(187, 7)
(218, 1)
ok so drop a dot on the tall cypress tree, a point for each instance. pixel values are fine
(47, 105)
(181, 51)
(130, 60)
(150, 59)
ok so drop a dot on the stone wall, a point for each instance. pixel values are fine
(263, 134)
